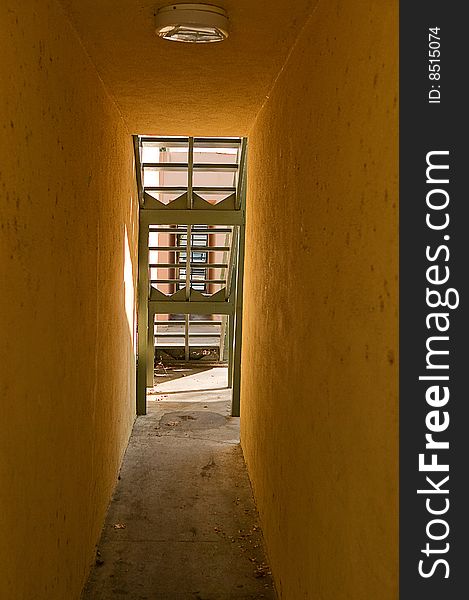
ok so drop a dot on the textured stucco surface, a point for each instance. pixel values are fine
(169, 88)
(67, 203)
(319, 385)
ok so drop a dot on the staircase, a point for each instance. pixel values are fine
(191, 249)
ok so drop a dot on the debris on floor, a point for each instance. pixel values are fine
(185, 502)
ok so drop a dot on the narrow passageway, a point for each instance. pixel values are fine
(237, 201)
(182, 522)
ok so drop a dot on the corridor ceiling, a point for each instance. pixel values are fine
(170, 88)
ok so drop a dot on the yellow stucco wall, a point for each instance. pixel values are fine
(319, 405)
(67, 206)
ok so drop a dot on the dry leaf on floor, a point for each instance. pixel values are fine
(262, 571)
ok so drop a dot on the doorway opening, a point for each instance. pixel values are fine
(192, 193)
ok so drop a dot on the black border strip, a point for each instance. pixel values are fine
(433, 131)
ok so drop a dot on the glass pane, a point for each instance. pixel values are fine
(215, 155)
(214, 178)
(199, 257)
(153, 177)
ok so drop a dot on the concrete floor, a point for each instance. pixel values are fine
(182, 523)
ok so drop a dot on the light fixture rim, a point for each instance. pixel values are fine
(192, 15)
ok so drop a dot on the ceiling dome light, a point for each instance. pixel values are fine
(193, 23)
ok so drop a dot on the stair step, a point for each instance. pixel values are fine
(193, 281)
(182, 265)
(193, 334)
(199, 142)
(200, 190)
(196, 166)
(191, 322)
(183, 248)
(182, 229)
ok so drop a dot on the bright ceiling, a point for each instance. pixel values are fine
(169, 88)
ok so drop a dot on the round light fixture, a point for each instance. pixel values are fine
(193, 23)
